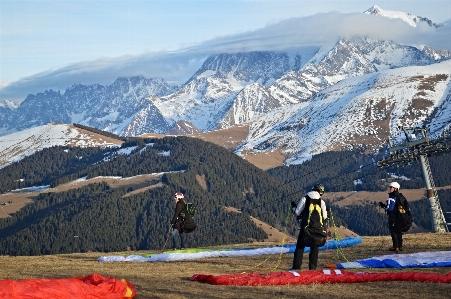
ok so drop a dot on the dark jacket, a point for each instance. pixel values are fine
(178, 209)
(392, 208)
(183, 225)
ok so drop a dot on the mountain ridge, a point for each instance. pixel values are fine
(264, 90)
(406, 17)
(368, 108)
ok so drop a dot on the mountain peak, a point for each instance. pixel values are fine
(374, 10)
(406, 17)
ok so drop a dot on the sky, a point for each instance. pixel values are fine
(55, 44)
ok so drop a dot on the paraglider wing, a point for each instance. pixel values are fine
(317, 276)
(411, 260)
(238, 252)
(93, 286)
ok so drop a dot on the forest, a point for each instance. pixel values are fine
(99, 218)
(339, 171)
(105, 220)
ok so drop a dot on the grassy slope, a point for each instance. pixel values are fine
(171, 279)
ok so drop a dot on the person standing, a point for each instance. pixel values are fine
(301, 210)
(395, 202)
(182, 223)
(177, 221)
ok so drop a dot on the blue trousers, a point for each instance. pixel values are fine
(175, 236)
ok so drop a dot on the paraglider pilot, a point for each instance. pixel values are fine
(177, 221)
(313, 222)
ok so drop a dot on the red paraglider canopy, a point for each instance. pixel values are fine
(317, 276)
(93, 286)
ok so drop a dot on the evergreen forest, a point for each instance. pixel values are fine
(99, 218)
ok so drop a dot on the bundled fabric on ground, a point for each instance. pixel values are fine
(317, 276)
(93, 286)
(411, 260)
(180, 255)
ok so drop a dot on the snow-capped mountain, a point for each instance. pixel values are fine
(6, 109)
(358, 111)
(220, 96)
(347, 58)
(17, 146)
(436, 54)
(406, 17)
(355, 91)
(208, 96)
(115, 108)
(252, 101)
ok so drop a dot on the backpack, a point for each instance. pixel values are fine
(189, 210)
(314, 230)
(188, 223)
(404, 216)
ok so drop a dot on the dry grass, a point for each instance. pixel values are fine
(229, 138)
(171, 279)
(265, 160)
(18, 200)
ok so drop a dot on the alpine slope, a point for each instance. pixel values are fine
(357, 111)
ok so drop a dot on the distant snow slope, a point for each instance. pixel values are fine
(358, 111)
(17, 146)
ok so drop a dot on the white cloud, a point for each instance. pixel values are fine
(3, 83)
(291, 34)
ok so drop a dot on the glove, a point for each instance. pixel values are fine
(293, 207)
(381, 204)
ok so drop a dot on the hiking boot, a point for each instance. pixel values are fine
(293, 269)
(400, 248)
(393, 249)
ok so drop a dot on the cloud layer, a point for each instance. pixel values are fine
(288, 35)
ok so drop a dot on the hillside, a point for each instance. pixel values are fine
(143, 171)
(231, 137)
(167, 280)
(19, 145)
(211, 177)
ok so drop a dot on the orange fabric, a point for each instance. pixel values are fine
(93, 286)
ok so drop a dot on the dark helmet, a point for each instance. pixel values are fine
(319, 188)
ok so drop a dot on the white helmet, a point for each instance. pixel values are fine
(179, 195)
(394, 185)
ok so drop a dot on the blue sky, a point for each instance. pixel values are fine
(42, 42)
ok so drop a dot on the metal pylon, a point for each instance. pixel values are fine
(437, 216)
(413, 151)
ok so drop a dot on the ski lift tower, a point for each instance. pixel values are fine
(419, 150)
